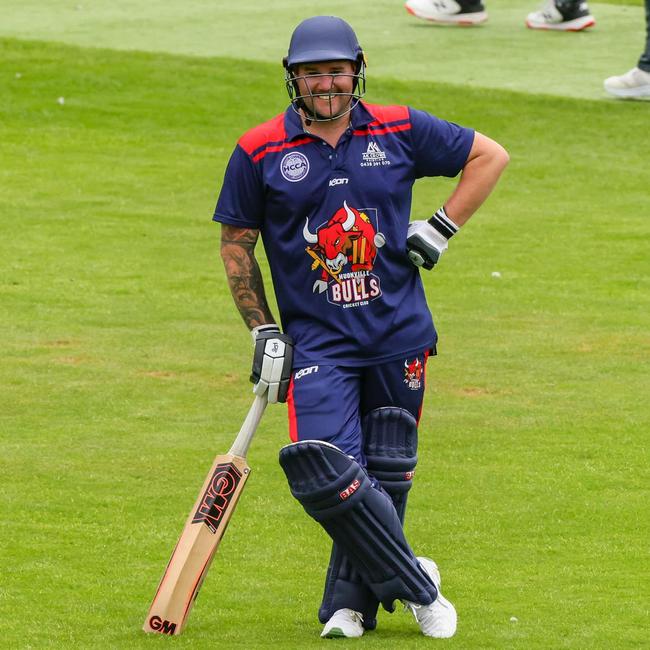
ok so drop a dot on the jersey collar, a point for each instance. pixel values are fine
(360, 118)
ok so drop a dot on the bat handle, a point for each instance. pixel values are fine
(248, 428)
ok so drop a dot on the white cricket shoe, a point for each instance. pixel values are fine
(632, 84)
(344, 624)
(448, 12)
(439, 618)
(561, 15)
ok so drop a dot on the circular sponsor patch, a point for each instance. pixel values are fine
(294, 166)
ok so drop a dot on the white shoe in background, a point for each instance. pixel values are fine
(632, 84)
(562, 16)
(448, 12)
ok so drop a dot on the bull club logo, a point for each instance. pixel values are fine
(294, 166)
(215, 500)
(413, 371)
(344, 250)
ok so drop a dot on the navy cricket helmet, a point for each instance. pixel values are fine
(324, 38)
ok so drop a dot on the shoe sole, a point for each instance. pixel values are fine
(576, 25)
(334, 633)
(467, 20)
(630, 93)
(338, 633)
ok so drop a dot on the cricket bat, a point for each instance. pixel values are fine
(203, 531)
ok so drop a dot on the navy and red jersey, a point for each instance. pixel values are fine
(334, 222)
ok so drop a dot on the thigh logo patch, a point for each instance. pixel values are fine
(413, 373)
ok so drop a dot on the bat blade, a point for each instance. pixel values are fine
(197, 545)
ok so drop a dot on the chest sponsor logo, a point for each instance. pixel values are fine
(413, 371)
(374, 156)
(294, 166)
(338, 181)
(344, 251)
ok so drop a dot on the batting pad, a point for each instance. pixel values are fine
(391, 449)
(390, 446)
(336, 491)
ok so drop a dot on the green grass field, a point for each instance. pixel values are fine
(124, 366)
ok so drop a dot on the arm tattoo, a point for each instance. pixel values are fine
(244, 276)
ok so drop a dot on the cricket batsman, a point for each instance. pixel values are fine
(328, 186)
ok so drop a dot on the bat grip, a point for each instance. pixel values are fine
(248, 428)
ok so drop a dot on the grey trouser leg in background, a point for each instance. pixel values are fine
(644, 61)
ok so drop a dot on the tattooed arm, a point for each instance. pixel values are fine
(244, 276)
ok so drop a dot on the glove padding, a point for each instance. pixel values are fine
(272, 361)
(424, 244)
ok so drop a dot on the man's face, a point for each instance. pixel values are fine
(326, 86)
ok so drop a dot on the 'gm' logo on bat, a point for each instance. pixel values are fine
(294, 166)
(165, 627)
(217, 496)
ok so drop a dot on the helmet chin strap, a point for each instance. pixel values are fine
(307, 114)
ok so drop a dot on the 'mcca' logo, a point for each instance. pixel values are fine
(294, 166)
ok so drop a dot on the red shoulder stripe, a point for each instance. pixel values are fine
(259, 136)
(383, 114)
(378, 130)
(279, 146)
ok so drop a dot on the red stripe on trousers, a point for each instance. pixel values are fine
(424, 370)
(293, 424)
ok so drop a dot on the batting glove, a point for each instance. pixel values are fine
(272, 361)
(426, 241)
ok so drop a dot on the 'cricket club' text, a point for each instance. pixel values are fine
(354, 289)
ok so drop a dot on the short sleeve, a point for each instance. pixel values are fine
(241, 200)
(440, 148)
